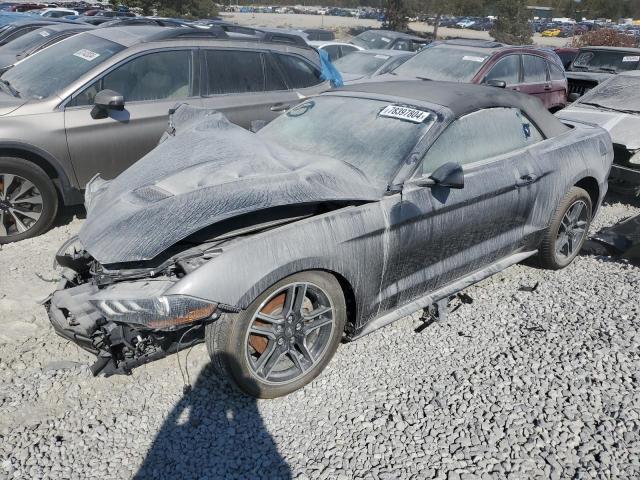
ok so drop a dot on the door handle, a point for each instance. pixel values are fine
(526, 179)
(280, 107)
(547, 87)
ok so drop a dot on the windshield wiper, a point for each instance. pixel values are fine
(610, 109)
(424, 78)
(9, 88)
(607, 69)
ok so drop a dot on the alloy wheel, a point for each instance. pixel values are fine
(573, 230)
(290, 333)
(21, 205)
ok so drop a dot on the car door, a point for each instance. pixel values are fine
(151, 84)
(535, 78)
(443, 234)
(506, 69)
(245, 85)
(557, 92)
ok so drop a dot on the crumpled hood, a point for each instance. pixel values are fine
(624, 128)
(208, 171)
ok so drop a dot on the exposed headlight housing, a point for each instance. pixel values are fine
(635, 159)
(166, 312)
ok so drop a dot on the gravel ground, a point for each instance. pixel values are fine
(518, 384)
(341, 25)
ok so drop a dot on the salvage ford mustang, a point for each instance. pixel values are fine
(355, 208)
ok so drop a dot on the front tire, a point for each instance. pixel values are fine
(284, 339)
(28, 200)
(568, 230)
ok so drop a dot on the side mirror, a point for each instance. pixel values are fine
(573, 97)
(106, 100)
(449, 175)
(497, 83)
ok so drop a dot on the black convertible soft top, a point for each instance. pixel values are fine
(464, 98)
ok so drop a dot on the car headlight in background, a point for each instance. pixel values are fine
(166, 312)
(635, 159)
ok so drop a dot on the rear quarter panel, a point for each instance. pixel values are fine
(563, 161)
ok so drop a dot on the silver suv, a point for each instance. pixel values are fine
(99, 101)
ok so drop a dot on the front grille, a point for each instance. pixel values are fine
(581, 86)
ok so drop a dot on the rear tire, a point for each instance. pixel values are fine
(567, 232)
(268, 353)
(28, 200)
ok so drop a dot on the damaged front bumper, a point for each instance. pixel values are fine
(124, 323)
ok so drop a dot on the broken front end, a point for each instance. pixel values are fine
(122, 314)
(625, 171)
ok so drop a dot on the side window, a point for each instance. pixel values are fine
(507, 69)
(155, 76)
(557, 73)
(465, 140)
(301, 73)
(346, 50)
(402, 45)
(333, 51)
(535, 69)
(234, 71)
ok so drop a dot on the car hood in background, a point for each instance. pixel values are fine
(208, 171)
(624, 128)
(594, 76)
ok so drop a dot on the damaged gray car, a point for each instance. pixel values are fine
(615, 106)
(350, 211)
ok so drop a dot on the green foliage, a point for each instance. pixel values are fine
(512, 25)
(396, 13)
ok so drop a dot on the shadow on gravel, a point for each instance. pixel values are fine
(214, 432)
(67, 214)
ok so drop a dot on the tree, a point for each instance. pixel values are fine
(512, 25)
(396, 15)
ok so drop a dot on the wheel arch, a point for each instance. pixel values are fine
(49, 164)
(286, 271)
(590, 185)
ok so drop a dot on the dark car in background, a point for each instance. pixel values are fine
(567, 55)
(370, 63)
(354, 209)
(615, 106)
(536, 71)
(98, 101)
(593, 65)
(14, 30)
(389, 40)
(37, 40)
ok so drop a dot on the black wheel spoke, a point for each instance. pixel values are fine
(274, 357)
(298, 360)
(316, 313)
(262, 331)
(269, 318)
(7, 181)
(572, 231)
(319, 322)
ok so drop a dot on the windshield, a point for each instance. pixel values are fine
(372, 40)
(360, 63)
(605, 61)
(620, 93)
(444, 63)
(27, 41)
(53, 68)
(363, 133)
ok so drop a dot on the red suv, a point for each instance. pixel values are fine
(533, 70)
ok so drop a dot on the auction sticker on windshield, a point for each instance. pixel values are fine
(404, 113)
(471, 58)
(87, 55)
(631, 58)
(44, 33)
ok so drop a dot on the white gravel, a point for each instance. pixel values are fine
(517, 384)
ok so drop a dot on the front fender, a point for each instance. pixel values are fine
(348, 242)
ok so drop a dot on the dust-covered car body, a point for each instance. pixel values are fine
(615, 106)
(340, 184)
